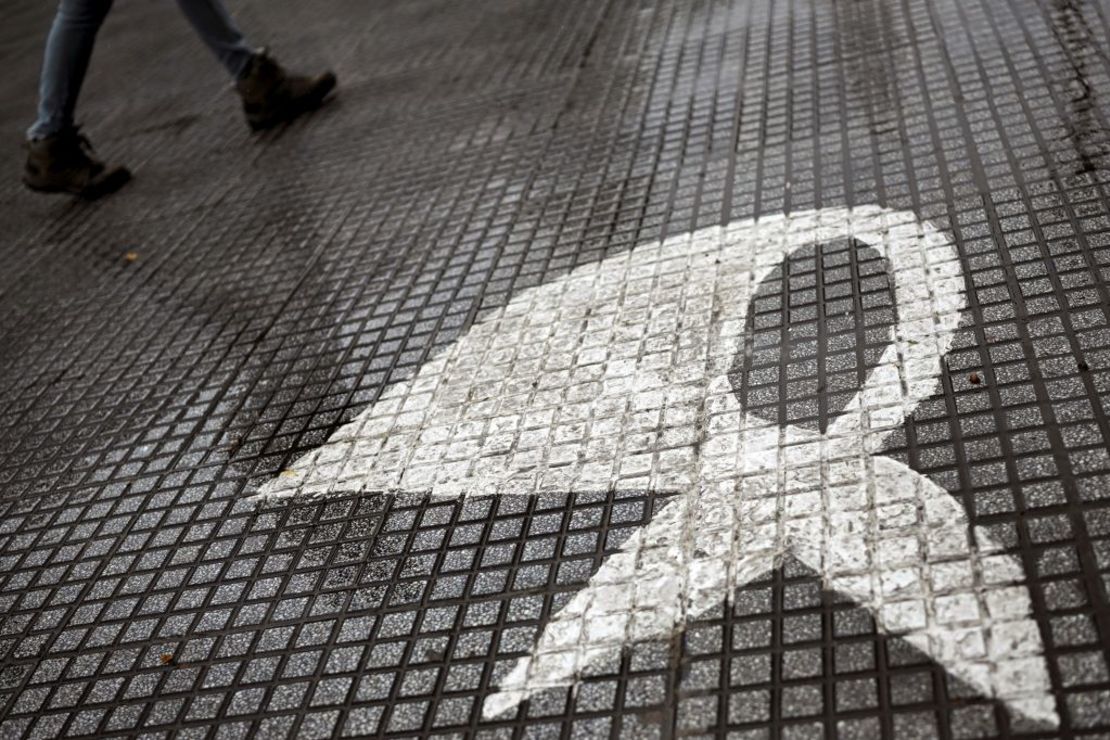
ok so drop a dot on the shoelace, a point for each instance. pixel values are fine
(84, 146)
(82, 140)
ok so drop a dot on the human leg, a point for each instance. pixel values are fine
(216, 28)
(65, 62)
(270, 94)
(59, 159)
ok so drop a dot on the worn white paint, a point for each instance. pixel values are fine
(614, 377)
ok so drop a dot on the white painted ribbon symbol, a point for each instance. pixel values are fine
(615, 377)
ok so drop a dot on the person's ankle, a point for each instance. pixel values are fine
(42, 134)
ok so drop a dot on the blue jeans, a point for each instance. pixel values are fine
(70, 43)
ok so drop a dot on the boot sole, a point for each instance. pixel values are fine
(106, 185)
(306, 104)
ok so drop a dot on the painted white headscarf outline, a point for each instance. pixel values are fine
(481, 418)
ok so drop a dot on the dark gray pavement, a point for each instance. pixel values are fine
(167, 353)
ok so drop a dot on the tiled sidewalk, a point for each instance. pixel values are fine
(585, 369)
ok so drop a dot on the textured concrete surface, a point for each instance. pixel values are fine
(587, 369)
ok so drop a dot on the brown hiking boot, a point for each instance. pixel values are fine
(272, 96)
(65, 163)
